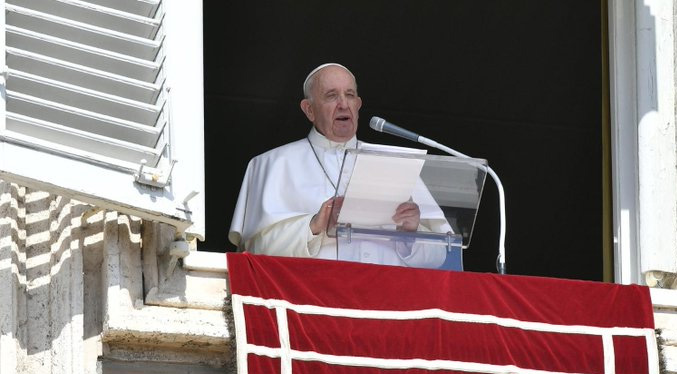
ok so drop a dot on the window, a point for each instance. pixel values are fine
(104, 104)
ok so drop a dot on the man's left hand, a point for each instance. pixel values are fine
(407, 216)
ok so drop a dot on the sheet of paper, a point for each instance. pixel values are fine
(378, 185)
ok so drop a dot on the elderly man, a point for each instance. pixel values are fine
(285, 200)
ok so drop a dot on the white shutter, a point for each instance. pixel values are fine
(103, 102)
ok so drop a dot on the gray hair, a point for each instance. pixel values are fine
(310, 78)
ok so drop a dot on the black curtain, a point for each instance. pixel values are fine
(515, 82)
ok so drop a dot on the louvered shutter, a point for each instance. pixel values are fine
(103, 102)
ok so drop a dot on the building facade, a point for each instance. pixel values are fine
(96, 280)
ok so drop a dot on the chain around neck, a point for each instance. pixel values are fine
(320, 162)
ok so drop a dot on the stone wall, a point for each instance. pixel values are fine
(665, 319)
(75, 286)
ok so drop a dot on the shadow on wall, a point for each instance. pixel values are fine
(52, 272)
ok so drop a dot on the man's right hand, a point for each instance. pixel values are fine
(320, 220)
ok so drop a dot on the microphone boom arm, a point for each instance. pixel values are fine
(501, 197)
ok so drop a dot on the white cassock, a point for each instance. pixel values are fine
(284, 187)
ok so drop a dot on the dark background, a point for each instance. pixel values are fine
(518, 83)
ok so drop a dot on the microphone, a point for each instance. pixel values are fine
(381, 125)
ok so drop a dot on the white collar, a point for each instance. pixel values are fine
(320, 140)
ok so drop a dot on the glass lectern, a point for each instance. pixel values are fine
(374, 182)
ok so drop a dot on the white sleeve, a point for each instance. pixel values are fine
(290, 237)
(420, 255)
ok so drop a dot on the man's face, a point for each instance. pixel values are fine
(333, 105)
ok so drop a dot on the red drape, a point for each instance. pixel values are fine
(317, 316)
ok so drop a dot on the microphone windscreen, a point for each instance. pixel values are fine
(376, 123)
